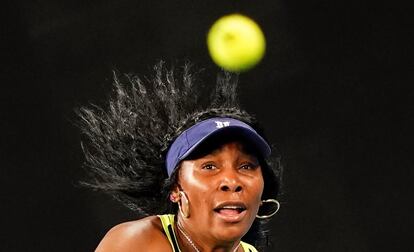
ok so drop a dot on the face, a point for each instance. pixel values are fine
(224, 190)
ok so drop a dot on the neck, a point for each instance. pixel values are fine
(191, 241)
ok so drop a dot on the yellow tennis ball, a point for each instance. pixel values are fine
(236, 43)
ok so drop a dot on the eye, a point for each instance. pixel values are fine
(209, 167)
(248, 166)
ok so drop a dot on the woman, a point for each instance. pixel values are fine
(199, 172)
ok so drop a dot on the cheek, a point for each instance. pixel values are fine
(196, 188)
(257, 187)
(190, 181)
(261, 186)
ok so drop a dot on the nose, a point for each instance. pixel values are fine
(230, 182)
(230, 188)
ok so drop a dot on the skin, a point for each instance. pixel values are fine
(226, 174)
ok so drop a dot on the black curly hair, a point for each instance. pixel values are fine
(126, 143)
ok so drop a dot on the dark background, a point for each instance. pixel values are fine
(333, 91)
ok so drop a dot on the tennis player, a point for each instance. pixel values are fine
(193, 164)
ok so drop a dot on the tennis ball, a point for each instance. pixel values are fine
(236, 43)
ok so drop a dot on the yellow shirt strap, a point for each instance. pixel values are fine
(167, 221)
(247, 247)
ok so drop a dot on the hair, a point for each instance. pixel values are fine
(125, 144)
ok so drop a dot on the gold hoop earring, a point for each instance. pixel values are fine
(184, 205)
(273, 213)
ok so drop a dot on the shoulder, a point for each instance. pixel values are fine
(134, 236)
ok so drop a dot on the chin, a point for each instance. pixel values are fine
(231, 233)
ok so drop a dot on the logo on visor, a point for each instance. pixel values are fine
(221, 124)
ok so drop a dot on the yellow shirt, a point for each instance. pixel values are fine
(167, 221)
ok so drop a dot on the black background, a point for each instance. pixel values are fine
(333, 91)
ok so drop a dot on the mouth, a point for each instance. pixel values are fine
(231, 211)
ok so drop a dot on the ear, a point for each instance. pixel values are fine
(174, 194)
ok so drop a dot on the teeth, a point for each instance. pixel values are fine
(232, 207)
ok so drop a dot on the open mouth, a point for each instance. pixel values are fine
(231, 212)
